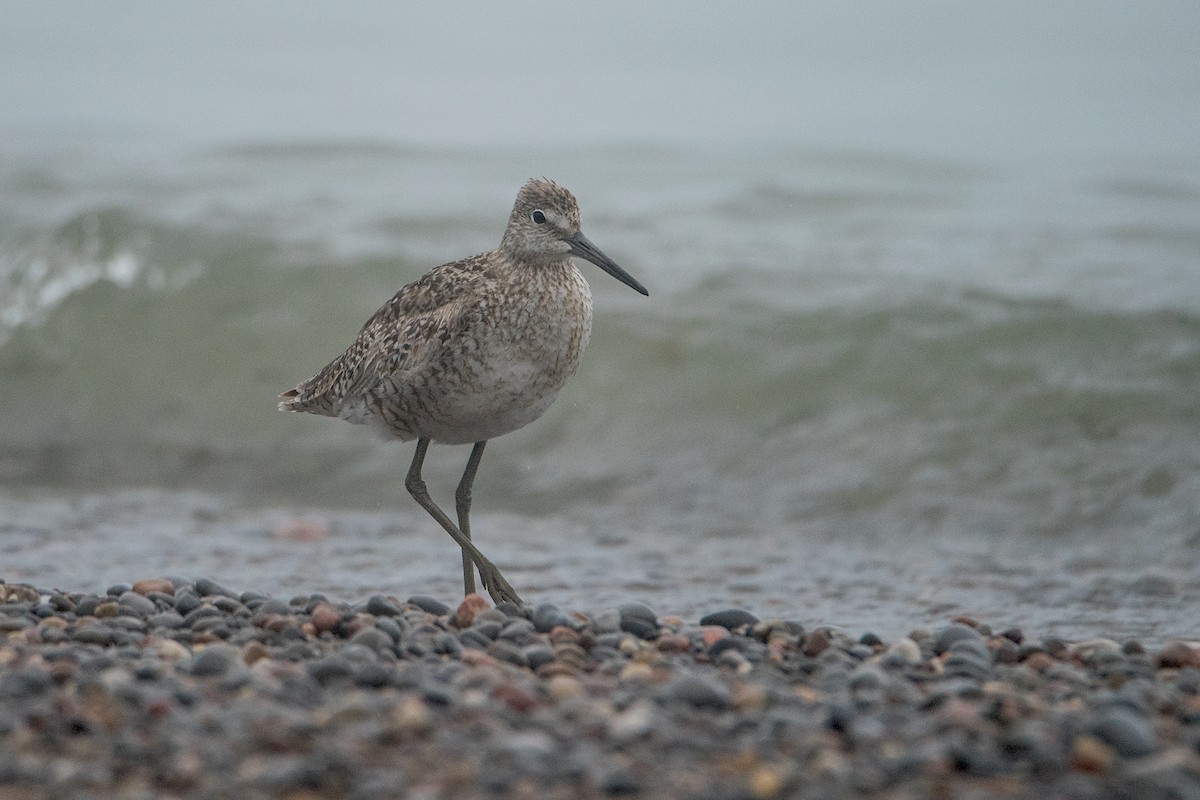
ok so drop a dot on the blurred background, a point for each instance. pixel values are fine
(923, 334)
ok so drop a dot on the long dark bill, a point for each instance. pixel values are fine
(582, 246)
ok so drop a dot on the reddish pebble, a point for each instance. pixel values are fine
(477, 658)
(299, 529)
(713, 633)
(108, 609)
(254, 651)
(570, 654)
(1089, 754)
(158, 707)
(325, 617)
(515, 697)
(471, 606)
(276, 622)
(955, 713)
(561, 633)
(1039, 662)
(149, 585)
(815, 643)
(553, 669)
(673, 643)
(1178, 655)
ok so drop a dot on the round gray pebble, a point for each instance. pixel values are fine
(1126, 731)
(700, 692)
(638, 619)
(429, 604)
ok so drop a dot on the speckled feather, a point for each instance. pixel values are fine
(473, 349)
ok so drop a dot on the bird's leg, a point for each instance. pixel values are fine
(493, 581)
(462, 504)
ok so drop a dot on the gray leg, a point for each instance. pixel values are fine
(462, 504)
(493, 581)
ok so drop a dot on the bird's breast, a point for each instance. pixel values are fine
(533, 343)
(512, 356)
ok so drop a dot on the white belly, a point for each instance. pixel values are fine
(499, 401)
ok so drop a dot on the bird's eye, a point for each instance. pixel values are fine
(538, 217)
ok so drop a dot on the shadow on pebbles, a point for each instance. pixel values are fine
(172, 687)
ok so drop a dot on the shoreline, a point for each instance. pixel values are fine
(181, 688)
(1072, 588)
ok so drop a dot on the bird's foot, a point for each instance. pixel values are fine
(500, 589)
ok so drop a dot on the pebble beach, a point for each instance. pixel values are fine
(887, 490)
(180, 688)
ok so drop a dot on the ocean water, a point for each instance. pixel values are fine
(882, 377)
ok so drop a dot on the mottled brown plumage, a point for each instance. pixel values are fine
(472, 350)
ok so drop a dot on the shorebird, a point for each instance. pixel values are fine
(470, 351)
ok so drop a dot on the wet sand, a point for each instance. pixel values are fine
(1071, 588)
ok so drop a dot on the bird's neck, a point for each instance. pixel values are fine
(519, 258)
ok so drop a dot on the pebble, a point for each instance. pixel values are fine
(1004, 650)
(373, 675)
(106, 609)
(381, 606)
(905, 650)
(429, 605)
(187, 601)
(93, 634)
(945, 637)
(149, 585)
(537, 655)
(206, 587)
(136, 604)
(391, 627)
(638, 619)
(701, 692)
(329, 669)
(471, 606)
(325, 617)
(711, 634)
(508, 652)
(373, 639)
(547, 617)
(1090, 754)
(607, 621)
(1179, 655)
(475, 638)
(730, 619)
(1096, 649)
(815, 643)
(634, 722)
(215, 660)
(516, 630)
(1128, 733)
(173, 687)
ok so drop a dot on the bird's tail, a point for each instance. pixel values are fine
(304, 400)
(291, 401)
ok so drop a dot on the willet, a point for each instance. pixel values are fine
(472, 350)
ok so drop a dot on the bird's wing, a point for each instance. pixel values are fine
(403, 332)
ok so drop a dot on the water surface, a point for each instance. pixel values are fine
(896, 364)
